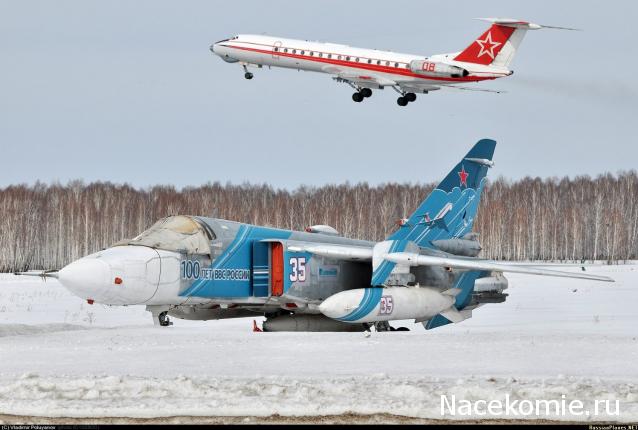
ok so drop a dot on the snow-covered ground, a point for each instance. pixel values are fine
(554, 339)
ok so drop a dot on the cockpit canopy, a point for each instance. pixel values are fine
(178, 233)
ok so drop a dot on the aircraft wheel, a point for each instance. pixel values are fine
(410, 97)
(402, 329)
(402, 101)
(357, 97)
(366, 92)
(248, 75)
(164, 321)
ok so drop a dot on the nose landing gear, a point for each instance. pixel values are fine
(247, 74)
(160, 315)
(164, 321)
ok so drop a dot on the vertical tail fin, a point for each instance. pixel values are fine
(498, 44)
(450, 209)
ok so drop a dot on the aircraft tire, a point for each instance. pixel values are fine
(410, 97)
(402, 101)
(357, 97)
(366, 92)
(248, 75)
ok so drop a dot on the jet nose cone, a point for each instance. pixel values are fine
(212, 48)
(86, 278)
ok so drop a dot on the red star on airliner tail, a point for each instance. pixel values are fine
(487, 46)
(463, 176)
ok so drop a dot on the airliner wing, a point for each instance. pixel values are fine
(485, 90)
(413, 259)
(361, 79)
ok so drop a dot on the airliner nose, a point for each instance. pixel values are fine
(212, 47)
(86, 277)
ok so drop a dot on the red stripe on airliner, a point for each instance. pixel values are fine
(374, 67)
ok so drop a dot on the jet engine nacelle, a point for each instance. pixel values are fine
(434, 68)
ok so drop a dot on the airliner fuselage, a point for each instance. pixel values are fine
(487, 57)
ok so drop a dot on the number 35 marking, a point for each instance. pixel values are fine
(386, 306)
(297, 269)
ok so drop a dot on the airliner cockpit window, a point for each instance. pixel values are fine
(176, 233)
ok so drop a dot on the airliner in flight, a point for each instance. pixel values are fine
(488, 57)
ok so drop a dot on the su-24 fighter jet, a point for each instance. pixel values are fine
(487, 57)
(201, 268)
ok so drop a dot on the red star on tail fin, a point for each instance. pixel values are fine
(463, 176)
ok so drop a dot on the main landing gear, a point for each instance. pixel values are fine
(406, 98)
(247, 74)
(383, 326)
(361, 94)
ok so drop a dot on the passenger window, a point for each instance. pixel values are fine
(294, 51)
(329, 55)
(347, 58)
(285, 49)
(276, 49)
(369, 61)
(339, 57)
(312, 53)
(379, 62)
(320, 55)
(303, 52)
(396, 64)
(356, 59)
(387, 63)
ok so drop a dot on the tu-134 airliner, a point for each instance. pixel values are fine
(486, 58)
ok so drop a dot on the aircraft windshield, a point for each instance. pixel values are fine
(175, 233)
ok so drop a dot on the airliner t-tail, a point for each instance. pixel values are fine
(487, 57)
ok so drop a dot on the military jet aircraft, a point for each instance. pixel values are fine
(202, 268)
(487, 57)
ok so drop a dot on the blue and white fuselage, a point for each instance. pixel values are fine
(315, 280)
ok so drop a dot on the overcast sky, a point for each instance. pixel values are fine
(128, 91)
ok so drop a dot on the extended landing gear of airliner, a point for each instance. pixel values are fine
(406, 98)
(247, 74)
(361, 94)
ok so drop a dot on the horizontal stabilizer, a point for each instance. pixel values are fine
(413, 259)
(517, 23)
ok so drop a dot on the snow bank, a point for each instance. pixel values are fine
(60, 356)
(111, 396)
(26, 330)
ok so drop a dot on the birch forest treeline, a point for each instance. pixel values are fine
(47, 226)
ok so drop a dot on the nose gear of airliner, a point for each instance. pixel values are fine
(247, 74)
